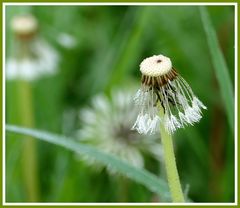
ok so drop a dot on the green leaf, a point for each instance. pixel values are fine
(142, 176)
(220, 66)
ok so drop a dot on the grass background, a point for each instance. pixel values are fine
(111, 41)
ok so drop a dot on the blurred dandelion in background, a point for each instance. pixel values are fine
(33, 57)
(106, 125)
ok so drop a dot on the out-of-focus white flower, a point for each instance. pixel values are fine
(33, 57)
(106, 126)
(163, 87)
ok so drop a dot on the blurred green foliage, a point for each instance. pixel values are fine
(111, 41)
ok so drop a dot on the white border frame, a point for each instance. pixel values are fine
(120, 4)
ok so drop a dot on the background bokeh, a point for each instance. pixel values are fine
(100, 48)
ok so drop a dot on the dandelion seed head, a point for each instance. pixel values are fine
(33, 57)
(41, 60)
(162, 87)
(107, 126)
(156, 65)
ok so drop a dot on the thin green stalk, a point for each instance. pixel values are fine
(29, 157)
(170, 163)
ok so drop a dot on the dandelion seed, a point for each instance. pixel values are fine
(163, 87)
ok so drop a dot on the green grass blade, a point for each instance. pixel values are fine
(141, 176)
(220, 66)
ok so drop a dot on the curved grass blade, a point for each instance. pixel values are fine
(220, 66)
(141, 176)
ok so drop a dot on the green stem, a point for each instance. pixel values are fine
(29, 156)
(170, 163)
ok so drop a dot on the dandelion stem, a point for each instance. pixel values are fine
(29, 156)
(170, 163)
